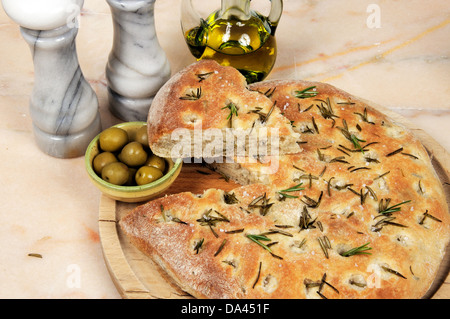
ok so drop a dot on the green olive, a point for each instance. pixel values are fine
(157, 162)
(147, 174)
(142, 135)
(133, 154)
(101, 160)
(115, 173)
(113, 139)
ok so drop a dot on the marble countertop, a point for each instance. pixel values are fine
(399, 59)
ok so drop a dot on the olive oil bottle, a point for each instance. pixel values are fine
(236, 36)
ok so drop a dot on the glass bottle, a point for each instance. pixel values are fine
(234, 35)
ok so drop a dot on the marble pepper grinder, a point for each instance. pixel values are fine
(137, 65)
(63, 106)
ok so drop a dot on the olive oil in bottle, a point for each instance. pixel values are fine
(247, 44)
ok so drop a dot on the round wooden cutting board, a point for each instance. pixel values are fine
(136, 276)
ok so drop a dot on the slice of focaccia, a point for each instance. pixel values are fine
(206, 110)
(255, 242)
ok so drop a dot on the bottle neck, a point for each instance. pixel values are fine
(235, 8)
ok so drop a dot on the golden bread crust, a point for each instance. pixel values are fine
(197, 97)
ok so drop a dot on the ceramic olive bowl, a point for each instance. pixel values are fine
(131, 194)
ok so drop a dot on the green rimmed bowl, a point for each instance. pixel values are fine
(130, 194)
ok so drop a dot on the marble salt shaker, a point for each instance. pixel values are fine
(137, 65)
(63, 106)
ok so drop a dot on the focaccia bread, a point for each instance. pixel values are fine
(359, 213)
(215, 101)
(252, 243)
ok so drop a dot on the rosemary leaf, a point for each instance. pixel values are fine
(316, 128)
(329, 186)
(361, 250)
(257, 277)
(364, 116)
(301, 243)
(284, 226)
(410, 155)
(295, 188)
(323, 247)
(279, 231)
(387, 210)
(306, 93)
(233, 110)
(220, 247)
(177, 220)
(270, 112)
(270, 92)
(382, 175)
(306, 222)
(351, 137)
(392, 271)
(311, 202)
(209, 220)
(257, 238)
(163, 213)
(425, 215)
(199, 245)
(323, 171)
(203, 76)
(261, 202)
(327, 112)
(359, 168)
(321, 295)
(394, 152)
(235, 231)
(230, 198)
(193, 95)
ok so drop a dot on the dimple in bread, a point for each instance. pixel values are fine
(206, 98)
